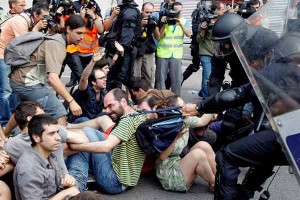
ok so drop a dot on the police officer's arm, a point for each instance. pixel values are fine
(59, 87)
(83, 83)
(221, 101)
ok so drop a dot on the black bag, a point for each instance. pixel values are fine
(156, 135)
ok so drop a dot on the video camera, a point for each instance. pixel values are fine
(66, 4)
(245, 10)
(172, 16)
(208, 19)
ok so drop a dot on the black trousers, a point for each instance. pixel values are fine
(259, 150)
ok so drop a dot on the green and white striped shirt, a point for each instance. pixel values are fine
(127, 157)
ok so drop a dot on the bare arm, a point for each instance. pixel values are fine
(109, 21)
(59, 87)
(97, 147)
(76, 137)
(83, 83)
(186, 32)
(157, 33)
(204, 120)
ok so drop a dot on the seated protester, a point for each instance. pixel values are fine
(15, 146)
(91, 91)
(37, 174)
(116, 162)
(103, 64)
(5, 193)
(140, 88)
(178, 174)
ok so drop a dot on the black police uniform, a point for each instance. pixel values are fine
(122, 71)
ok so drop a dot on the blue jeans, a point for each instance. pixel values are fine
(8, 101)
(101, 166)
(206, 70)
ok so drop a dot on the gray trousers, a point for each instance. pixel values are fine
(144, 67)
(172, 66)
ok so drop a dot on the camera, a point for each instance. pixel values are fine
(172, 16)
(208, 19)
(67, 6)
(151, 22)
(50, 23)
(90, 4)
(245, 10)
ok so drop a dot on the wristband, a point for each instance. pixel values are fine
(71, 101)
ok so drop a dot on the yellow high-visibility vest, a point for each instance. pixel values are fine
(171, 43)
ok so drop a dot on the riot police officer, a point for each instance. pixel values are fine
(127, 30)
(260, 151)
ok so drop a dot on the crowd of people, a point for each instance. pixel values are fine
(55, 136)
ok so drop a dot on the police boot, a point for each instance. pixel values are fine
(252, 182)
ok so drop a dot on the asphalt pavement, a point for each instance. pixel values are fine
(283, 187)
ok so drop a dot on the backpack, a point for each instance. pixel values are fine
(156, 135)
(17, 53)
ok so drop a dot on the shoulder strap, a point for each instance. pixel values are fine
(168, 110)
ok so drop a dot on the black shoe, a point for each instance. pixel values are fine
(71, 83)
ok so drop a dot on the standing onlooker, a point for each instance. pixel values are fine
(28, 82)
(144, 63)
(16, 7)
(10, 29)
(77, 61)
(170, 50)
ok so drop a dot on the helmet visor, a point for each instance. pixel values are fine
(222, 48)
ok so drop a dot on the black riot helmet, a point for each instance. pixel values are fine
(127, 2)
(221, 33)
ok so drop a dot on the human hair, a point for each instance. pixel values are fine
(92, 75)
(176, 4)
(254, 2)
(23, 110)
(151, 99)
(39, 6)
(74, 22)
(37, 124)
(10, 2)
(215, 5)
(119, 94)
(140, 83)
(102, 63)
(172, 101)
(146, 3)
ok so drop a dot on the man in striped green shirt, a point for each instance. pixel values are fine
(116, 161)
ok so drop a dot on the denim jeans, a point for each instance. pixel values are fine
(101, 167)
(206, 70)
(8, 101)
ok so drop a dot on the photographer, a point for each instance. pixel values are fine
(11, 28)
(205, 44)
(170, 48)
(248, 8)
(77, 61)
(143, 64)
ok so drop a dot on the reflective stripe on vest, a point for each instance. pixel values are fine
(171, 43)
(89, 43)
